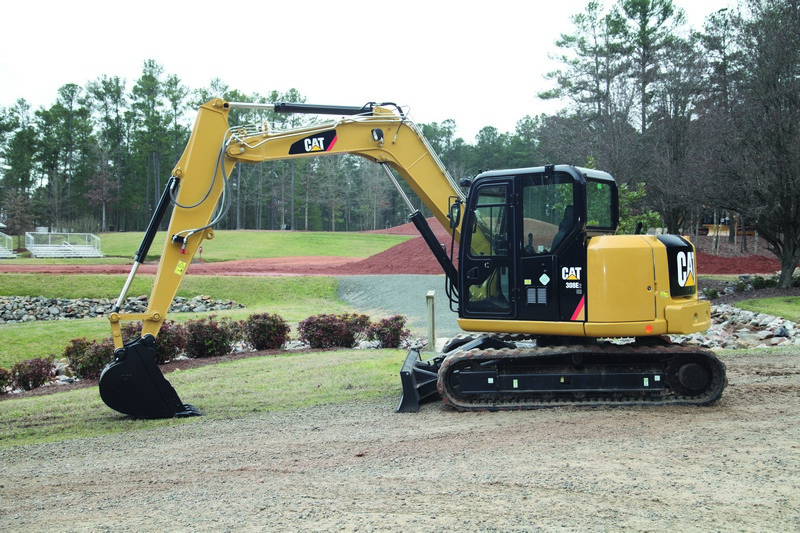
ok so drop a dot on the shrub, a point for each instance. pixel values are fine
(357, 325)
(390, 332)
(33, 373)
(207, 337)
(73, 353)
(761, 283)
(90, 363)
(265, 331)
(170, 343)
(327, 331)
(5, 380)
(711, 293)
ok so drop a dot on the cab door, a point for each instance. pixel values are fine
(487, 254)
(549, 226)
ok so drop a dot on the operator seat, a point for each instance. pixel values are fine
(564, 226)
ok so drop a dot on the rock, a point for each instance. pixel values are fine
(764, 334)
(781, 331)
(14, 309)
(737, 329)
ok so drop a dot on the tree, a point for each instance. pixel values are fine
(66, 156)
(652, 25)
(19, 214)
(491, 149)
(725, 60)
(102, 188)
(597, 80)
(673, 187)
(18, 152)
(759, 149)
(109, 103)
(176, 94)
(151, 145)
(596, 61)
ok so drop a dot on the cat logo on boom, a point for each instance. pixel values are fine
(319, 142)
(686, 273)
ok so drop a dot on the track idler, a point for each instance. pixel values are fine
(133, 384)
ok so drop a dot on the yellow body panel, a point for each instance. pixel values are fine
(688, 317)
(621, 279)
(572, 329)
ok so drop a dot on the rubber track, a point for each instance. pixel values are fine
(648, 355)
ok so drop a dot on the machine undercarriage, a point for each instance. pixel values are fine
(489, 373)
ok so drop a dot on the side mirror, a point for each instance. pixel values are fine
(455, 214)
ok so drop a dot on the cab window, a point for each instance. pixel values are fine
(490, 223)
(599, 205)
(548, 213)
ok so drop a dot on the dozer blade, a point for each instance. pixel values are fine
(134, 385)
(419, 382)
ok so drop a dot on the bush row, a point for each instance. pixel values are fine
(209, 337)
(747, 283)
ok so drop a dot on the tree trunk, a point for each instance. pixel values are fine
(788, 265)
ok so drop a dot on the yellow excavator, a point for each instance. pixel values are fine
(560, 310)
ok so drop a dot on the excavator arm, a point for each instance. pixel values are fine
(132, 383)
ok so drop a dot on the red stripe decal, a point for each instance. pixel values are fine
(579, 309)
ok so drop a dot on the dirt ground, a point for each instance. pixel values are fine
(732, 466)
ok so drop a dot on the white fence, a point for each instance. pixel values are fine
(6, 247)
(63, 244)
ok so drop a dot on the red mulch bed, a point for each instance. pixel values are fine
(410, 257)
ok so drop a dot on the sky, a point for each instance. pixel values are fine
(479, 63)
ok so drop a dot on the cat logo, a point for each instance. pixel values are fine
(686, 272)
(571, 273)
(315, 144)
(320, 142)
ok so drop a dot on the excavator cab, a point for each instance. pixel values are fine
(523, 252)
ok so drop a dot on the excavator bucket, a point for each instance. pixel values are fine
(133, 384)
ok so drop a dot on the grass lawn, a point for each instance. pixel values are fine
(236, 389)
(229, 245)
(786, 307)
(225, 390)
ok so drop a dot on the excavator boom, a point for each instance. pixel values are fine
(379, 133)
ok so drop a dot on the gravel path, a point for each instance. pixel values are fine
(402, 294)
(361, 467)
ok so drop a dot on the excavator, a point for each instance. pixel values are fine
(557, 309)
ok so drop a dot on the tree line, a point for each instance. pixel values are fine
(696, 126)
